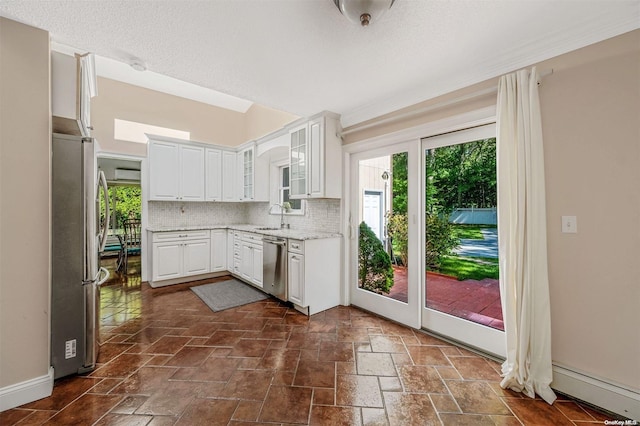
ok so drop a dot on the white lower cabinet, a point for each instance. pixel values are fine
(250, 258)
(314, 274)
(296, 278)
(167, 261)
(313, 266)
(218, 250)
(180, 254)
(230, 248)
(197, 257)
(257, 265)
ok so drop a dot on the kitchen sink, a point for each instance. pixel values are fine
(267, 228)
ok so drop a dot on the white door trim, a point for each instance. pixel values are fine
(405, 313)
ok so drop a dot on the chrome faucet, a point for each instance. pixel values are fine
(283, 208)
(281, 213)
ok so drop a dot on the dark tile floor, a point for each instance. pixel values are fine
(167, 359)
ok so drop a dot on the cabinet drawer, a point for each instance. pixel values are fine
(180, 235)
(296, 246)
(252, 238)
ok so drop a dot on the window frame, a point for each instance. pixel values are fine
(279, 191)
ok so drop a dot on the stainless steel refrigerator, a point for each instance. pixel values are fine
(77, 238)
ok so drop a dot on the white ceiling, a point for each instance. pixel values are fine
(302, 56)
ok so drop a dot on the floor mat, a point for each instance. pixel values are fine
(227, 294)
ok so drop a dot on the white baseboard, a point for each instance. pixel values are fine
(597, 392)
(28, 391)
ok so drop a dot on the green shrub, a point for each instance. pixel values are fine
(374, 269)
(441, 239)
(398, 231)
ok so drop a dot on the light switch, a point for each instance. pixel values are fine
(569, 224)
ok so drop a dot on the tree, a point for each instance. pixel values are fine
(460, 176)
(440, 240)
(375, 272)
(398, 231)
(400, 175)
(127, 201)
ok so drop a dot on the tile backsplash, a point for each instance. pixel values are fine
(320, 215)
(171, 213)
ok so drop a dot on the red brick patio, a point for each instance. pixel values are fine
(477, 301)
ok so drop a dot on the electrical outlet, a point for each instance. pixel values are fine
(569, 224)
(70, 349)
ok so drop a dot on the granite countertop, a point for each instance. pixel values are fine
(284, 233)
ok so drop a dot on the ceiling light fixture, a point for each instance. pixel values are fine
(363, 11)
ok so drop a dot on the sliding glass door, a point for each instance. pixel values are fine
(424, 237)
(383, 193)
(460, 273)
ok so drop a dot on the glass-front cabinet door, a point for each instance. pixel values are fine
(248, 174)
(246, 165)
(298, 161)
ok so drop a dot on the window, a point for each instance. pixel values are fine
(135, 132)
(283, 191)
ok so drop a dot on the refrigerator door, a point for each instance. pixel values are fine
(91, 238)
(92, 319)
(75, 261)
(104, 229)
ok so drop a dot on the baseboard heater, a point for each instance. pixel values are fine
(600, 393)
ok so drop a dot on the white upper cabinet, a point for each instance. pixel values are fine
(164, 165)
(229, 180)
(246, 168)
(73, 84)
(298, 162)
(191, 173)
(176, 171)
(315, 149)
(252, 176)
(213, 173)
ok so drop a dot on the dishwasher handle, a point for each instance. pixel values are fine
(276, 241)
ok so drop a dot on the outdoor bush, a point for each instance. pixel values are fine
(374, 271)
(440, 240)
(398, 231)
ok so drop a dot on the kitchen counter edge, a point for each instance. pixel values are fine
(296, 234)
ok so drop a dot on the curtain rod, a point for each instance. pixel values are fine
(409, 114)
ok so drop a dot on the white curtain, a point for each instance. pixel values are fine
(524, 283)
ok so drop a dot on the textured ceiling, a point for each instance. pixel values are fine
(302, 56)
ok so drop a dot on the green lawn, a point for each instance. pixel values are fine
(471, 232)
(465, 268)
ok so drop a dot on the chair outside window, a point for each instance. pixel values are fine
(130, 243)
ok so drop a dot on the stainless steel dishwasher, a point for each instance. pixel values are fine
(275, 266)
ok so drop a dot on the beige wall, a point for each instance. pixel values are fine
(591, 123)
(25, 139)
(120, 100)
(260, 121)
(206, 123)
